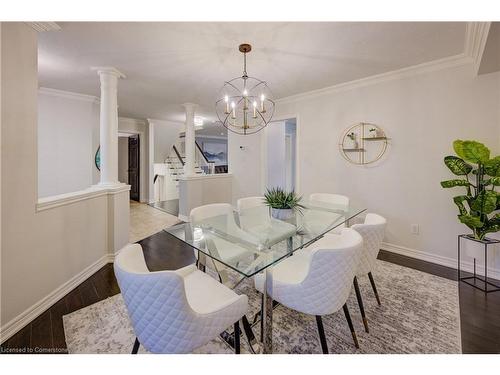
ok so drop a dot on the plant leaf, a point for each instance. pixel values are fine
(457, 166)
(475, 152)
(459, 201)
(492, 167)
(495, 181)
(495, 220)
(458, 147)
(452, 183)
(281, 199)
(471, 221)
(485, 202)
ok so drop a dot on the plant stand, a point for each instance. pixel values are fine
(486, 242)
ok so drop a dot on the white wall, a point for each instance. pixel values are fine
(67, 125)
(246, 155)
(44, 252)
(275, 155)
(166, 134)
(123, 159)
(422, 114)
(68, 138)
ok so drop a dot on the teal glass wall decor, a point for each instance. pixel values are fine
(97, 158)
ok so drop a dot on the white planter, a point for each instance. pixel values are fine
(352, 144)
(282, 213)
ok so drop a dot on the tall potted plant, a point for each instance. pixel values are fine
(479, 176)
(282, 203)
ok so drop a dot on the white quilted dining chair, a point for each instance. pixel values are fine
(318, 282)
(221, 216)
(254, 218)
(175, 311)
(252, 211)
(372, 231)
(333, 199)
(318, 221)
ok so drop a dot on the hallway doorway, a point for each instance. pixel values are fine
(280, 160)
(129, 163)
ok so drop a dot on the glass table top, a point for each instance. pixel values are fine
(251, 240)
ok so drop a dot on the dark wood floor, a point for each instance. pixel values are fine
(479, 314)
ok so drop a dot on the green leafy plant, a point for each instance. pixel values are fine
(480, 175)
(278, 198)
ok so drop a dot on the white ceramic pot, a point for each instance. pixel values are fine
(282, 213)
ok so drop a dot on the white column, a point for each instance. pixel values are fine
(190, 140)
(109, 124)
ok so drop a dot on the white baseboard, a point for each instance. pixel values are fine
(10, 328)
(438, 259)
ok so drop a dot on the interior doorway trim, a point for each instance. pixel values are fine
(144, 167)
(263, 151)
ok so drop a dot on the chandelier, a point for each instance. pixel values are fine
(245, 105)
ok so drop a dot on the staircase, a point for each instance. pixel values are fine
(172, 170)
(175, 166)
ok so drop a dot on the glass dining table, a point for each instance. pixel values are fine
(252, 241)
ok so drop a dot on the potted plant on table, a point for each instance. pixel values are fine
(480, 175)
(283, 204)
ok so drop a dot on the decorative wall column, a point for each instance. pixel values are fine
(189, 169)
(109, 124)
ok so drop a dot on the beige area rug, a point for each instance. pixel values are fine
(146, 221)
(419, 314)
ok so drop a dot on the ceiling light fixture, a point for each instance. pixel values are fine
(245, 105)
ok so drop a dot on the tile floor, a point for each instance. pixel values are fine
(146, 220)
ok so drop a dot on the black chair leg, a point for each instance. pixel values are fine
(360, 303)
(374, 287)
(237, 338)
(135, 349)
(247, 328)
(351, 327)
(321, 332)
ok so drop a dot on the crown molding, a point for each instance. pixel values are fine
(68, 95)
(476, 35)
(447, 62)
(44, 26)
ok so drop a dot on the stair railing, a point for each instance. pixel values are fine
(178, 155)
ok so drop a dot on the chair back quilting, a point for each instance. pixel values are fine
(372, 231)
(158, 308)
(332, 266)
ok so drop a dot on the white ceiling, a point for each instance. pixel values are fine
(168, 64)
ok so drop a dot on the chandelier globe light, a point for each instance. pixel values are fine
(245, 103)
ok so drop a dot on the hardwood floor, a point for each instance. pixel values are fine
(479, 314)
